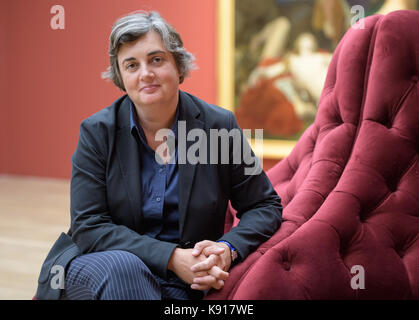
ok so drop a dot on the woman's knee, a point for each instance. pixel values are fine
(117, 275)
(129, 277)
(124, 263)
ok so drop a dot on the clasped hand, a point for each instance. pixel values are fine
(203, 267)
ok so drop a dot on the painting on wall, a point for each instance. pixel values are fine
(282, 51)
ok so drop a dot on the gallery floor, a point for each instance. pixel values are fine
(33, 212)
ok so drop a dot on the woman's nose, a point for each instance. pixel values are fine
(146, 74)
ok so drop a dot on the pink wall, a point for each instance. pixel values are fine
(50, 79)
(4, 101)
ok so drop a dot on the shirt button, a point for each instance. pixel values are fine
(161, 170)
(158, 199)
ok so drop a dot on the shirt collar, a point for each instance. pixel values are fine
(133, 119)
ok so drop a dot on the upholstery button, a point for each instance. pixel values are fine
(286, 265)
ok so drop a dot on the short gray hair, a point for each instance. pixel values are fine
(131, 27)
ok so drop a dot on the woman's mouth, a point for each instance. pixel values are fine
(150, 88)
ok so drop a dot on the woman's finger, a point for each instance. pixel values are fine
(208, 280)
(214, 249)
(218, 273)
(199, 246)
(205, 265)
(218, 285)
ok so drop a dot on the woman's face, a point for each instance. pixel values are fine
(149, 71)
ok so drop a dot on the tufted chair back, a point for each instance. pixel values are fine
(350, 187)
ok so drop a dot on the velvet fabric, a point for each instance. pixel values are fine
(350, 187)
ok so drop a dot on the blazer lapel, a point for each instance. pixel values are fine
(189, 113)
(129, 160)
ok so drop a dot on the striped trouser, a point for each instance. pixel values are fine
(121, 275)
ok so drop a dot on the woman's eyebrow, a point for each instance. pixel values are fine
(128, 59)
(155, 52)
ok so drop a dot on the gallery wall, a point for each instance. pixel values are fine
(50, 80)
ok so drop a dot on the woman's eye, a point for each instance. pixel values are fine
(157, 59)
(131, 66)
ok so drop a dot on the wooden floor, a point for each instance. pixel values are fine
(33, 213)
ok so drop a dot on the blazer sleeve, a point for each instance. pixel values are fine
(92, 228)
(258, 205)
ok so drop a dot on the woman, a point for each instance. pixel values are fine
(143, 228)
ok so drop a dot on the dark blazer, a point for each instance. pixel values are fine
(106, 186)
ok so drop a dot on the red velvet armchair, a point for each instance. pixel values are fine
(350, 187)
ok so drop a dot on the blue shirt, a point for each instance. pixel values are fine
(159, 186)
